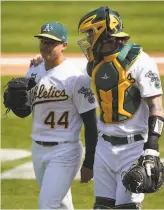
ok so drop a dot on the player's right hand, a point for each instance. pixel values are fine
(86, 174)
(36, 60)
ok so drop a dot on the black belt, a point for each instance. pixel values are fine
(43, 143)
(115, 140)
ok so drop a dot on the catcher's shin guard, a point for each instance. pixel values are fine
(104, 203)
(129, 206)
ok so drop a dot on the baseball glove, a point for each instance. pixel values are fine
(16, 96)
(136, 179)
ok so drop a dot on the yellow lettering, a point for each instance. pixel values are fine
(113, 22)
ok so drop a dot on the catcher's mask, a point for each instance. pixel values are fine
(100, 26)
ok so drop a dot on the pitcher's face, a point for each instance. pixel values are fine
(51, 49)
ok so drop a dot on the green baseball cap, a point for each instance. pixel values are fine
(53, 30)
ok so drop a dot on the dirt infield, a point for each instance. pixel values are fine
(21, 69)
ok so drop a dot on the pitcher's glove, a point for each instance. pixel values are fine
(16, 96)
(137, 180)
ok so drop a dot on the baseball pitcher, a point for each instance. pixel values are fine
(128, 88)
(60, 101)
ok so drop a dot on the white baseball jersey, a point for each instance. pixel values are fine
(145, 72)
(60, 96)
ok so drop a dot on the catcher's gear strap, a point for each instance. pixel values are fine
(155, 124)
(129, 206)
(129, 54)
(104, 203)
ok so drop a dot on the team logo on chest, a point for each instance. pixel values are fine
(51, 94)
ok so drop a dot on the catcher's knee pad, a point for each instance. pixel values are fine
(104, 203)
(128, 206)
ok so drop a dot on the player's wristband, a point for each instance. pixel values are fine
(155, 125)
(155, 129)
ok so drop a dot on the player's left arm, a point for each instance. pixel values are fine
(90, 133)
(90, 136)
(149, 83)
(150, 158)
(86, 104)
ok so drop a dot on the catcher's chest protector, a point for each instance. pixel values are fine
(118, 98)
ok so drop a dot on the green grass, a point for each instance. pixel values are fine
(22, 20)
(23, 194)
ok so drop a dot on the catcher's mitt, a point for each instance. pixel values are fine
(136, 179)
(16, 96)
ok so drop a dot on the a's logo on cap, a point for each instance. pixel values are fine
(48, 28)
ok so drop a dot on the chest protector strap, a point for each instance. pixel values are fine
(128, 55)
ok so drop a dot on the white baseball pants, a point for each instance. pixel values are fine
(110, 162)
(55, 169)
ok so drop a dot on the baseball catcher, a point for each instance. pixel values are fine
(16, 96)
(127, 84)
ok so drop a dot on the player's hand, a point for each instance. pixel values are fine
(86, 174)
(36, 60)
(147, 160)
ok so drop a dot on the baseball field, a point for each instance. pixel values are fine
(20, 22)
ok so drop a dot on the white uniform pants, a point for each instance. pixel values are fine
(55, 168)
(110, 162)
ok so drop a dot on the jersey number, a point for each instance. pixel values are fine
(63, 120)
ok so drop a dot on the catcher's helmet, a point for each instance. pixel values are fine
(101, 24)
